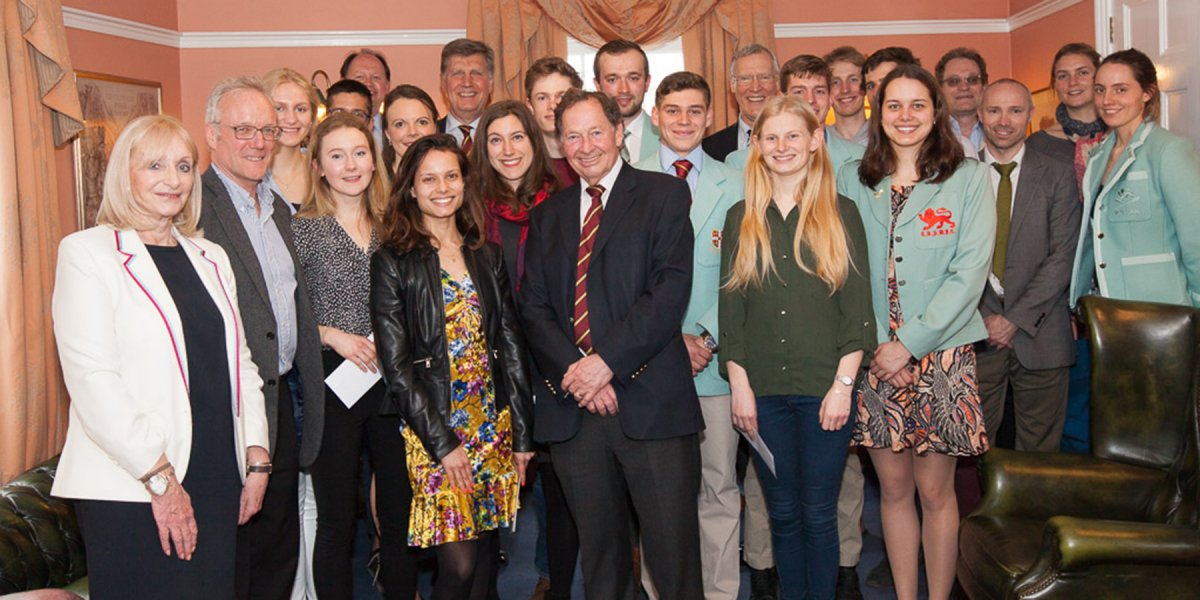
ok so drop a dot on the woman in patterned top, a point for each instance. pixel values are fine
(930, 220)
(335, 234)
(454, 363)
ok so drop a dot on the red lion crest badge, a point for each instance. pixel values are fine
(937, 222)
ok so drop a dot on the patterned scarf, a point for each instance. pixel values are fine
(498, 210)
(1076, 129)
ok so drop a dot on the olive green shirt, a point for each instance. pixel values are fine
(790, 333)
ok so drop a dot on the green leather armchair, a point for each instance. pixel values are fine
(1121, 522)
(40, 546)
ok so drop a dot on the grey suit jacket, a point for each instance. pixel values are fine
(1037, 269)
(221, 224)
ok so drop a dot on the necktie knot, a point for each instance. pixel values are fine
(466, 143)
(595, 192)
(1004, 169)
(682, 166)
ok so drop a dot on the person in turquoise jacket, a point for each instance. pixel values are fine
(1138, 239)
(682, 111)
(930, 221)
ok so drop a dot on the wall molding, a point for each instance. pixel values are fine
(1038, 12)
(132, 30)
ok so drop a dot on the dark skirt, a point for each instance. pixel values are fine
(125, 558)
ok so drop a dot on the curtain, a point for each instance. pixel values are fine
(520, 33)
(39, 109)
(523, 31)
(709, 46)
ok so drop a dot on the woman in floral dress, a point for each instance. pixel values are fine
(930, 220)
(454, 364)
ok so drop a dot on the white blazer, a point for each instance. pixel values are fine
(120, 341)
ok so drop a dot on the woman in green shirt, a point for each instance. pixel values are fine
(795, 320)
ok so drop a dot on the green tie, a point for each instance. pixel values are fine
(1003, 216)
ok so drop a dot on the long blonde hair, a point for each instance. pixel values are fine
(820, 228)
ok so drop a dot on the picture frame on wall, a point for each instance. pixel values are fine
(109, 103)
(1045, 102)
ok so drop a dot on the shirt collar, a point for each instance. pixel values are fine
(241, 198)
(667, 157)
(607, 182)
(638, 123)
(452, 123)
(1018, 158)
(743, 133)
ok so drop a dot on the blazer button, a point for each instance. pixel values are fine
(899, 259)
(1099, 236)
(899, 238)
(270, 383)
(270, 335)
(901, 282)
(1102, 265)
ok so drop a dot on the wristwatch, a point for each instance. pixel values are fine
(259, 468)
(845, 380)
(158, 481)
(709, 341)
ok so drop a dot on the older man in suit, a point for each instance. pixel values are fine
(754, 78)
(682, 111)
(253, 225)
(608, 274)
(468, 70)
(1024, 305)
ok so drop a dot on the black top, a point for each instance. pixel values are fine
(213, 454)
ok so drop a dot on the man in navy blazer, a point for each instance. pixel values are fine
(253, 225)
(621, 417)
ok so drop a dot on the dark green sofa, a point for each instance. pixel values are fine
(40, 545)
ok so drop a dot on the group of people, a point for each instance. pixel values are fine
(575, 293)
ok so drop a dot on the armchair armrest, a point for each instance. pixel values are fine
(1040, 485)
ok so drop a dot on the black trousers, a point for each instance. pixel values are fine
(601, 469)
(562, 537)
(336, 483)
(268, 546)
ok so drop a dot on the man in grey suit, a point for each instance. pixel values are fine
(253, 225)
(1024, 305)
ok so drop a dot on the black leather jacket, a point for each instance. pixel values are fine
(408, 317)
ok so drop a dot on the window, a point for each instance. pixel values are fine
(664, 59)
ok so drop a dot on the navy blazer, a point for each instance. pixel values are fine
(639, 284)
(721, 143)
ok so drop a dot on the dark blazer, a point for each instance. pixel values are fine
(222, 225)
(1037, 268)
(441, 125)
(722, 143)
(409, 320)
(639, 283)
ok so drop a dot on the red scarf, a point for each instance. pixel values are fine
(498, 210)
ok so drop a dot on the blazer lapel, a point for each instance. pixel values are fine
(880, 202)
(918, 200)
(1028, 184)
(708, 194)
(619, 202)
(569, 223)
(231, 224)
(1128, 156)
(140, 268)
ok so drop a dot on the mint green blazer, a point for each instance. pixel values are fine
(1140, 235)
(717, 189)
(943, 241)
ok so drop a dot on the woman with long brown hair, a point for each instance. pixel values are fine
(930, 220)
(454, 363)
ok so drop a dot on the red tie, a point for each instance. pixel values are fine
(466, 131)
(682, 166)
(587, 239)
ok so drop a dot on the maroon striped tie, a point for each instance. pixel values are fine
(587, 239)
(682, 166)
(466, 143)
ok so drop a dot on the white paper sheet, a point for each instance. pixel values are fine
(350, 383)
(761, 448)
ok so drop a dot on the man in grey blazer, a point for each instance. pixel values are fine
(1024, 305)
(253, 225)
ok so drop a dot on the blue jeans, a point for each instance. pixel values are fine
(802, 496)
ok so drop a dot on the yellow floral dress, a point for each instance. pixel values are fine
(441, 514)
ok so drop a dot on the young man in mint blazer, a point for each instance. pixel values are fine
(682, 112)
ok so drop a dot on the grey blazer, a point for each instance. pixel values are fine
(222, 225)
(1037, 270)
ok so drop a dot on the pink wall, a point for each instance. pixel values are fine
(214, 15)
(1034, 45)
(160, 13)
(790, 11)
(929, 48)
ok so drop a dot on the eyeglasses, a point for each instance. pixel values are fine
(246, 132)
(360, 113)
(955, 81)
(763, 78)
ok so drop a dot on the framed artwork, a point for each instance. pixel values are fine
(1045, 102)
(109, 103)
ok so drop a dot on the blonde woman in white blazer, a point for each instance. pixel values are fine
(166, 449)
